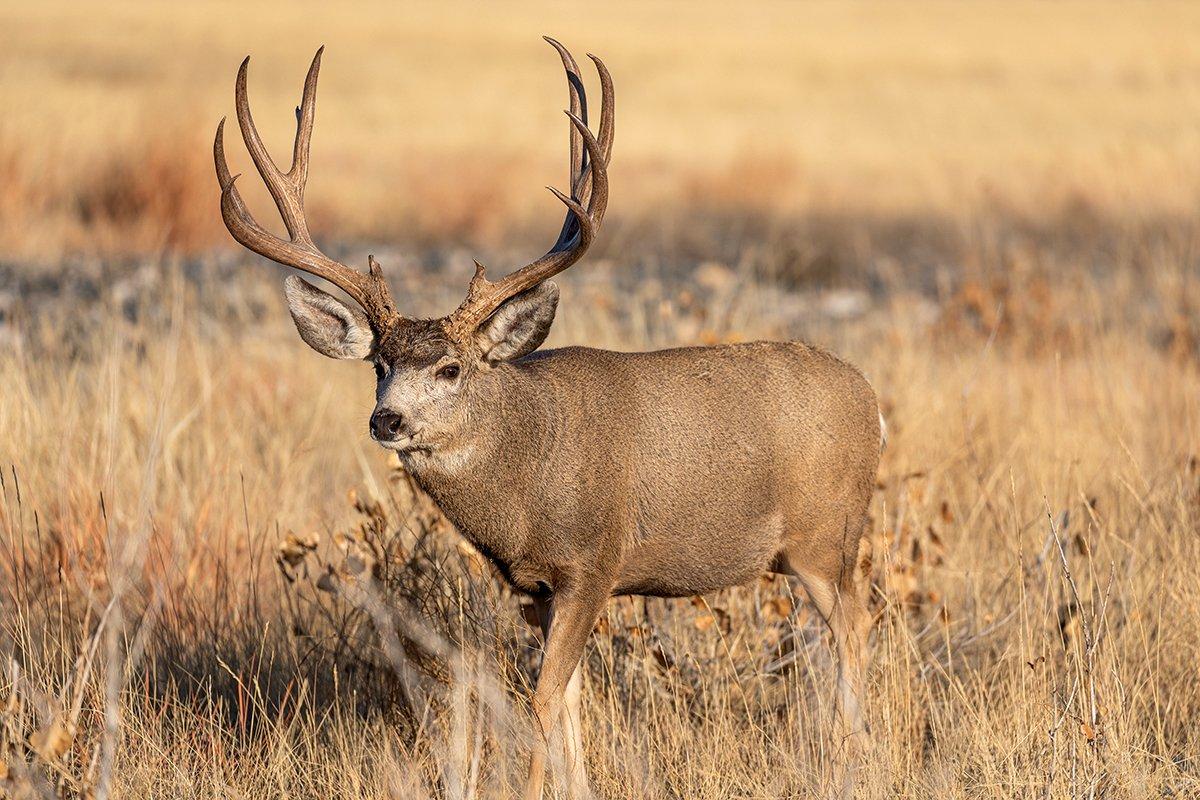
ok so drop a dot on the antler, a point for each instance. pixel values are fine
(368, 289)
(589, 184)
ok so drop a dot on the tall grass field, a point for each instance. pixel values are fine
(214, 585)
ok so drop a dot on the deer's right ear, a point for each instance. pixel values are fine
(520, 325)
(326, 324)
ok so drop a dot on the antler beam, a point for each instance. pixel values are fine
(586, 204)
(368, 289)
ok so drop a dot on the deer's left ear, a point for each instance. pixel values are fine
(520, 325)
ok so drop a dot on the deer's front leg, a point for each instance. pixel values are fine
(571, 716)
(571, 615)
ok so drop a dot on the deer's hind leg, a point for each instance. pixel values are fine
(840, 601)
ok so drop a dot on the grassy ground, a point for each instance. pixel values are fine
(1034, 533)
(213, 585)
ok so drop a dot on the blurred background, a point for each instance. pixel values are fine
(990, 207)
(443, 122)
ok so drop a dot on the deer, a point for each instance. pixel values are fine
(584, 474)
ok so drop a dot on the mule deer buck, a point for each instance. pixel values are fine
(583, 473)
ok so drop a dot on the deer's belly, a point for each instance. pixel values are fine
(673, 562)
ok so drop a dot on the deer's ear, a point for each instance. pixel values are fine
(326, 324)
(520, 325)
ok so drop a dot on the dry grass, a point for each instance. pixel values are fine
(213, 585)
(1034, 535)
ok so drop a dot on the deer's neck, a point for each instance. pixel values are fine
(483, 479)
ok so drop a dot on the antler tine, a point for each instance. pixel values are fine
(287, 189)
(581, 173)
(369, 289)
(578, 107)
(583, 187)
(305, 114)
(589, 184)
(607, 116)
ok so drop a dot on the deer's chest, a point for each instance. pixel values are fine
(526, 561)
(498, 524)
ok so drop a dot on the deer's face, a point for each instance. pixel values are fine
(419, 392)
(424, 375)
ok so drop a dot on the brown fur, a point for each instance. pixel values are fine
(670, 473)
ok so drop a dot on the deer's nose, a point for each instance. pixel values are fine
(386, 425)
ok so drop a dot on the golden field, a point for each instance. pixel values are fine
(988, 207)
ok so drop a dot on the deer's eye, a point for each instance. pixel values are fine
(448, 372)
(379, 371)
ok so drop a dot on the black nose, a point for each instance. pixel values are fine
(386, 425)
